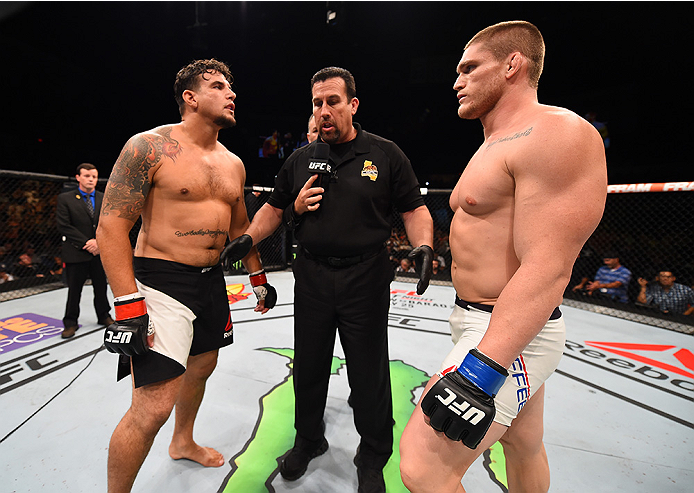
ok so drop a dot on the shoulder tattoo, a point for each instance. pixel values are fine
(515, 136)
(129, 183)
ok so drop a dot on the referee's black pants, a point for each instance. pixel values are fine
(355, 300)
(76, 274)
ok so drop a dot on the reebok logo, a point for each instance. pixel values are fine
(660, 364)
(631, 351)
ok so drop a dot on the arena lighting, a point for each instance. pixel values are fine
(334, 13)
(331, 17)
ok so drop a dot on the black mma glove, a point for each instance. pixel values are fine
(128, 334)
(263, 290)
(422, 257)
(237, 249)
(461, 404)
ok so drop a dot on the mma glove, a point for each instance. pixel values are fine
(128, 334)
(237, 249)
(422, 257)
(263, 290)
(461, 404)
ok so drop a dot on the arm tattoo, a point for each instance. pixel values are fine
(202, 232)
(129, 183)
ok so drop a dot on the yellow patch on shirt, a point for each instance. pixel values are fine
(370, 170)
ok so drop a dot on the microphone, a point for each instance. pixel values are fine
(318, 164)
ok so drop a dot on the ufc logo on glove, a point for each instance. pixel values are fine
(461, 404)
(473, 415)
(117, 337)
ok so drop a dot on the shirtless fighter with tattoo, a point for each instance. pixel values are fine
(524, 206)
(172, 311)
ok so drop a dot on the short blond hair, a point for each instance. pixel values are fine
(504, 38)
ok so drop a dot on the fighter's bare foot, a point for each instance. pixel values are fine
(205, 456)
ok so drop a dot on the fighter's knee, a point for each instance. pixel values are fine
(202, 372)
(150, 419)
(410, 474)
(411, 470)
(202, 366)
(521, 439)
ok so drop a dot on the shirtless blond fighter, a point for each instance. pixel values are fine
(525, 204)
(188, 188)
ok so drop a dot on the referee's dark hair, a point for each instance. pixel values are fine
(330, 72)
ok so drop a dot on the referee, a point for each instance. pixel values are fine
(340, 210)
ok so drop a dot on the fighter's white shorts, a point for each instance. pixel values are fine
(527, 373)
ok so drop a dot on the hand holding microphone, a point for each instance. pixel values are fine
(320, 169)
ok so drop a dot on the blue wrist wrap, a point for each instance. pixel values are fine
(481, 374)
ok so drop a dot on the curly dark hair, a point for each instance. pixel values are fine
(330, 72)
(187, 77)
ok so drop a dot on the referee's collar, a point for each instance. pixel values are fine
(360, 144)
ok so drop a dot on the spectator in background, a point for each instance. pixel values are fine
(4, 275)
(601, 127)
(303, 141)
(587, 262)
(405, 266)
(310, 135)
(441, 261)
(24, 267)
(30, 250)
(287, 145)
(253, 201)
(438, 271)
(271, 146)
(611, 280)
(52, 264)
(77, 216)
(666, 294)
(312, 129)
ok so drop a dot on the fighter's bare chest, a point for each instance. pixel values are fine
(198, 181)
(484, 185)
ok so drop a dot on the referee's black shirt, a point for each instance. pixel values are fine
(354, 216)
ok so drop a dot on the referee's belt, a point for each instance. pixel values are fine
(342, 261)
(488, 308)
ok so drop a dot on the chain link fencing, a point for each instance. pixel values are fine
(651, 226)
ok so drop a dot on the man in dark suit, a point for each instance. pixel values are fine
(77, 216)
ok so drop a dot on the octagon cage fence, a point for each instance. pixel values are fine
(650, 225)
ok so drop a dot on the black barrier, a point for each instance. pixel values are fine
(651, 229)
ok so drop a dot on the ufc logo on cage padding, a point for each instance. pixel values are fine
(118, 337)
(472, 414)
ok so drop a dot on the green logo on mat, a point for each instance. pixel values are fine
(255, 467)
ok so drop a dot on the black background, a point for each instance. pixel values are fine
(79, 78)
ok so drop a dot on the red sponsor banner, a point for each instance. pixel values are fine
(676, 186)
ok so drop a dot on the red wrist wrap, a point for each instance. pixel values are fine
(258, 279)
(133, 309)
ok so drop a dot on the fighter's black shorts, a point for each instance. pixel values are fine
(190, 311)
